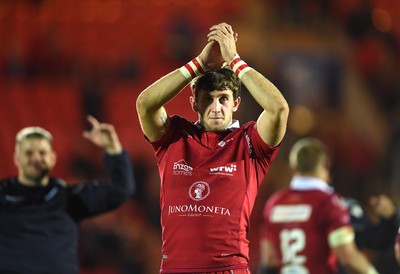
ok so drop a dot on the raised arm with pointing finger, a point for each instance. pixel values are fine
(212, 168)
(104, 136)
(40, 214)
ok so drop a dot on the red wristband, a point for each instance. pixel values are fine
(193, 68)
(239, 66)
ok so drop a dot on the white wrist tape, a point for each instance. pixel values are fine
(193, 68)
(239, 66)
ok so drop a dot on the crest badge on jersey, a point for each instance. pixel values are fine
(199, 191)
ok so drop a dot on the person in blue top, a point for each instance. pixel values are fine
(40, 214)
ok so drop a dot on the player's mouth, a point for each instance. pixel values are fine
(216, 118)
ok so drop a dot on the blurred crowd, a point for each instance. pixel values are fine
(336, 61)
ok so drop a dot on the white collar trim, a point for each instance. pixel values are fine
(235, 124)
(309, 183)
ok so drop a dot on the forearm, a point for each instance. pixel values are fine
(161, 92)
(357, 263)
(348, 255)
(360, 267)
(120, 173)
(153, 117)
(266, 94)
(272, 122)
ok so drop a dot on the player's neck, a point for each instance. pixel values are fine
(40, 182)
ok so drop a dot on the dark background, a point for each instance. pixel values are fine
(336, 62)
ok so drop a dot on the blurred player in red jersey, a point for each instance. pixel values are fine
(397, 247)
(211, 169)
(306, 226)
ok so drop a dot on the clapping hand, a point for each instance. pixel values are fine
(221, 47)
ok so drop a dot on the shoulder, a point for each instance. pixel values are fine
(58, 182)
(249, 126)
(280, 194)
(335, 202)
(254, 140)
(180, 125)
(276, 198)
(355, 209)
(350, 202)
(179, 120)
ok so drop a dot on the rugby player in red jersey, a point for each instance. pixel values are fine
(307, 226)
(397, 247)
(211, 169)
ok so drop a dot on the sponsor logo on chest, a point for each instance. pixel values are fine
(228, 170)
(182, 168)
(198, 191)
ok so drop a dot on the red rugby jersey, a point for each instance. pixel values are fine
(298, 220)
(398, 241)
(398, 236)
(209, 182)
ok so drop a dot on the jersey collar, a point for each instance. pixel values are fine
(309, 183)
(235, 124)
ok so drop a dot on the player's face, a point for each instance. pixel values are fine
(216, 109)
(35, 159)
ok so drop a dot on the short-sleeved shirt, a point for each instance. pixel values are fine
(209, 182)
(298, 220)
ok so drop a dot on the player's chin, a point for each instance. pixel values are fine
(40, 172)
(217, 127)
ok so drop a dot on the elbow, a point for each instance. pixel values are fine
(146, 106)
(140, 104)
(282, 111)
(130, 186)
(278, 107)
(124, 195)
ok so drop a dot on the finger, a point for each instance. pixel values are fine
(105, 127)
(86, 135)
(214, 32)
(226, 28)
(214, 27)
(229, 29)
(219, 29)
(222, 26)
(217, 35)
(93, 121)
(225, 25)
(214, 39)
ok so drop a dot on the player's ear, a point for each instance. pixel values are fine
(193, 103)
(236, 104)
(16, 159)
(53, 159)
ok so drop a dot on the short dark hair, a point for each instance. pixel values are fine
(308, 154)
(217, 79)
